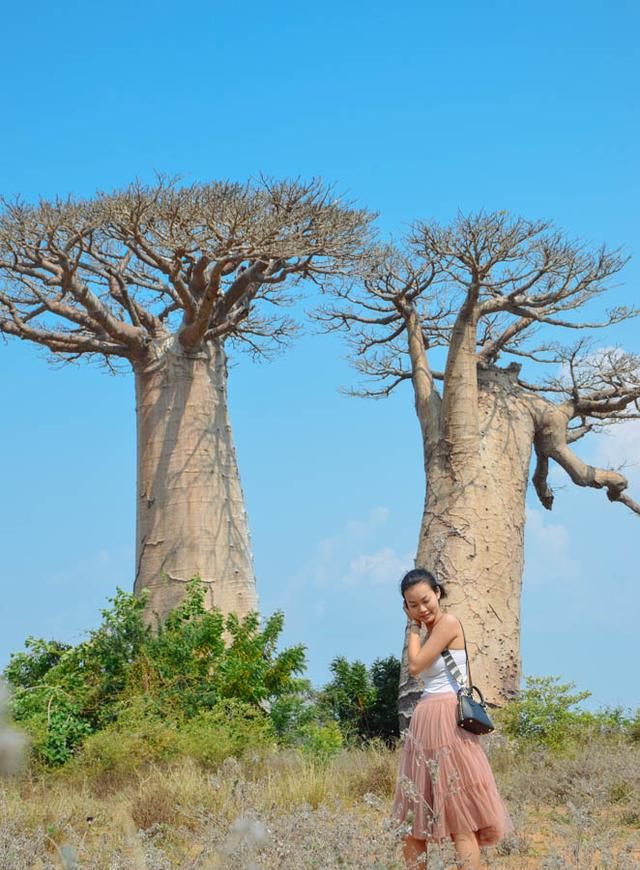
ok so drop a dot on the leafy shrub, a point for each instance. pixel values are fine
(542, 713)
(633, 729)
(364, 702)
(27, 669)
(547, 713)
(63, 693)
(293, 711)
(56, 737)
(189, 666)
(230, 729)
(383, 716)
(138, 739)
(117, 751)
(349, 696)
(321, 742)
(606, 722)
(126, 675)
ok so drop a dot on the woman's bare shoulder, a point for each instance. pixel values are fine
(450, 620)
(449, 624)
(453, 627)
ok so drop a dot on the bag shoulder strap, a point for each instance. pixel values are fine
(454, 670)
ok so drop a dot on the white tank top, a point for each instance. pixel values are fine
(438, 679)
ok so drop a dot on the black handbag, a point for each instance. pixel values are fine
(471, 714)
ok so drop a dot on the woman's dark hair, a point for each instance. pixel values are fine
(421, 575)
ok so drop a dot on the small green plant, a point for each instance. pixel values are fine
(27, 669)
(293, 711)
(633, 728)
(383, 718)
(229, 729)
(321, 742)
(364, 701)
(349, 696)
(620, 791)
(544, 713)
(117, 750)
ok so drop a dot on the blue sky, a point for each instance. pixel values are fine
(414, 110)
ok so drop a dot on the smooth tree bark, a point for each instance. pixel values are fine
(191, 517)
(162, 280)
(489, 290)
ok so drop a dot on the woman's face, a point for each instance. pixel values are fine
(422, 602)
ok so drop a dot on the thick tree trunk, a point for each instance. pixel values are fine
(472, 537)
(191, 518)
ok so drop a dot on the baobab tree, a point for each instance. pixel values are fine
(163, 279)
(473, 308)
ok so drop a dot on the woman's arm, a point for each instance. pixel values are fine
(419, 658)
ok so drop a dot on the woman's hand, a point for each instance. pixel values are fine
(413, 623)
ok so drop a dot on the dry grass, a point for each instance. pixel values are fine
(280, 810)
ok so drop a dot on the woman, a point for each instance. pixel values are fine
(445, 785)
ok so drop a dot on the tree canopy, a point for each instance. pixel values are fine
(106, 276)
(491, 287)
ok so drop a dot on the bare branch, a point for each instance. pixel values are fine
(490, 285)
(61, 343)
(382, 393)
(552, 442)
(629, 502)
(121, 265)
(427, 399)
(393, 295)
(540, 483)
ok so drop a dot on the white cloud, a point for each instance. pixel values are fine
(376, 519)
(318, 568)
(344, 598)
(550, 535)
(384, 566)
(356, 554)
(548, 557)
(619, 448)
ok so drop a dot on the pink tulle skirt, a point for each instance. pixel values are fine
(445, 784)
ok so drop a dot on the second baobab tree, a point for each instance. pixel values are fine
(163, 279)
(470, 315)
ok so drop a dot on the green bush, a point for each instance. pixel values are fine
(27, 669)
(633, 727)
(126, 673)
(231, 728)
(364, 701)
(53, 723)
(139, 738)
(292, 712)
(320, 742)
(543, 713)
(349, 697)
(118, 751)
(63, 693)
(606, 722)
(383, 716)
